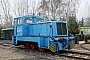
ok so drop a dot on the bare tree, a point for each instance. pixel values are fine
(72, 7)
(24, 7)
(49, 9)
(21, 7)
(55, 9)
(6, 13)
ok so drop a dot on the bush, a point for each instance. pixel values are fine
(1, 38)
(87, 36)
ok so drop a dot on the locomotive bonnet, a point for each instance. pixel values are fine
(35, 32)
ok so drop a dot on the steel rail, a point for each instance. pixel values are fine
(84, 47)
(69, 56)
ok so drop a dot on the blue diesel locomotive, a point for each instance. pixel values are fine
(35, 32)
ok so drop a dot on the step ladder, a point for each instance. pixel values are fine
(14, 39)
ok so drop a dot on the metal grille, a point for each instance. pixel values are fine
(61, 29)
(64, 28)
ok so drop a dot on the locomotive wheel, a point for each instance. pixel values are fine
(32, 46)
(40, 49)
(25, 46)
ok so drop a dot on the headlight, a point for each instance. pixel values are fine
(61, 40)
(51, 40)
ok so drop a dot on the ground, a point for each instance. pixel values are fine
(12, 52)
(10, 55)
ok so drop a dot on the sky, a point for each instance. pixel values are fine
(83, 10)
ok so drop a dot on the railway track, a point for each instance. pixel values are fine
(84, 47)
(77, 54)
(74, 54)
(81, 55)
(71, 56)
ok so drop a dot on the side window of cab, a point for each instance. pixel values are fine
(28, 20)
(15, 21)
(19, 21)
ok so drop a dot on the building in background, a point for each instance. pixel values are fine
(8, 33)
(86, 30)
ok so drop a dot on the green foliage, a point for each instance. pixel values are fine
(1, 31)
(88, 36)
(82, 22)
(73, 26)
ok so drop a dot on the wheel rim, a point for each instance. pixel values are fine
(32, 46)
(40, 49)
(25, 46)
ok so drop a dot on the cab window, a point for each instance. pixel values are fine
(28, 20)
(39, 20)
(19, 21)
(15, 21)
